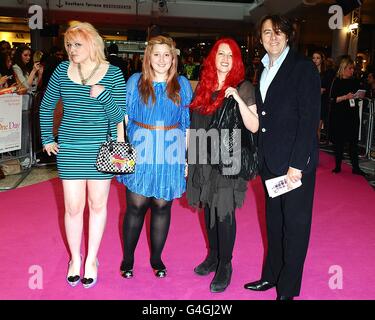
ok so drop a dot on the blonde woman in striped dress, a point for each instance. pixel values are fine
(93, 94)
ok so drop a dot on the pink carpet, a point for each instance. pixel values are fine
(340, 263)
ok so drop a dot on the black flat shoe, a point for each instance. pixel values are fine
(126, 270)
(260, 285)
(160, 273)
(222, 277)
(336, 170)
(127, 274)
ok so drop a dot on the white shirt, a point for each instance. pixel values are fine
(269, 73)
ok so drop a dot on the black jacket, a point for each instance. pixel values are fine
(289, 117)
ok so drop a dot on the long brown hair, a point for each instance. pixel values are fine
(145, 86)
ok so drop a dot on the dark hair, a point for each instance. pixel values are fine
(4, 70)
(279, 24)
(113, 48)
(18, 59)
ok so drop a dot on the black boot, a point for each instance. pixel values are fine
(208, 265)
(222, 277)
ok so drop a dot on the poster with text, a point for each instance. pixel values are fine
(10, 122)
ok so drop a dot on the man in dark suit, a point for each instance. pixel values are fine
(116, 60)
(288, 105)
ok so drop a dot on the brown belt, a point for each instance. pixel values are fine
(150, 127)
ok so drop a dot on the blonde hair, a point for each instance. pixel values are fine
(145, 85)
(86, 31)
(344, 62)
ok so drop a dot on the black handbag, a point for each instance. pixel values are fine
(116, 157)
(238, 144)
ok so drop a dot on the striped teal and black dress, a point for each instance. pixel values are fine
(85, 120)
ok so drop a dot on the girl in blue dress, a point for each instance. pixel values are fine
(157, 121)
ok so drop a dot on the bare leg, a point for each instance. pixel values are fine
(74, 199)
(98, 191)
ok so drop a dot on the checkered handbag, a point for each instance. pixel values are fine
(116, 157)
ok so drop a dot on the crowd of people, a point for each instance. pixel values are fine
(284, 104)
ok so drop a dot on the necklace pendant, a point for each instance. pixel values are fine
(83, 82)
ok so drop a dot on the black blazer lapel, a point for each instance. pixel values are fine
(282, 74)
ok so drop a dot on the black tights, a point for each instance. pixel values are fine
(221, 237)
(136, 208)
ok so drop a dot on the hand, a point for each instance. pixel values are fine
(40, 70)
(51, 148)
(230, 91)
(3, 80)
(349, 96)
(21, 89)
(293, 175)
(95, 90)
(36, 66)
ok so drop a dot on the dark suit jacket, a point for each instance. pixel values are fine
(289, 117)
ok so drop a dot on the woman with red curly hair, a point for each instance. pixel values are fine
(221, 79)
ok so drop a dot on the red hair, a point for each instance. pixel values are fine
(208, 82)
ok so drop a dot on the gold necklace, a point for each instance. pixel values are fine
(83, 80)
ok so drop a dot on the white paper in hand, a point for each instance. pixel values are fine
(278, 186)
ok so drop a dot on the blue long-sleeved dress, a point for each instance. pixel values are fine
(84, 123)
(160, 168)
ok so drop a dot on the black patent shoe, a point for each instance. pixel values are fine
(127, 274)
(206, 267)
(222, 278)
(126, 271)
(160, 273)
(260, 285)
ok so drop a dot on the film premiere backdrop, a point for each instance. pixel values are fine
(19, 136)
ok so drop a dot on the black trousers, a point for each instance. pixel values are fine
(288, 219)
(353, 151)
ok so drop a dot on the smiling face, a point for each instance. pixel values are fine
(78, 49)
(224, 59)
(161, 60)
(274, 41)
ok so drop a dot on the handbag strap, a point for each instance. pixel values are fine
(109, 134)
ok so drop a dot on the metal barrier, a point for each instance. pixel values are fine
(366, 134)
(23, 155)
